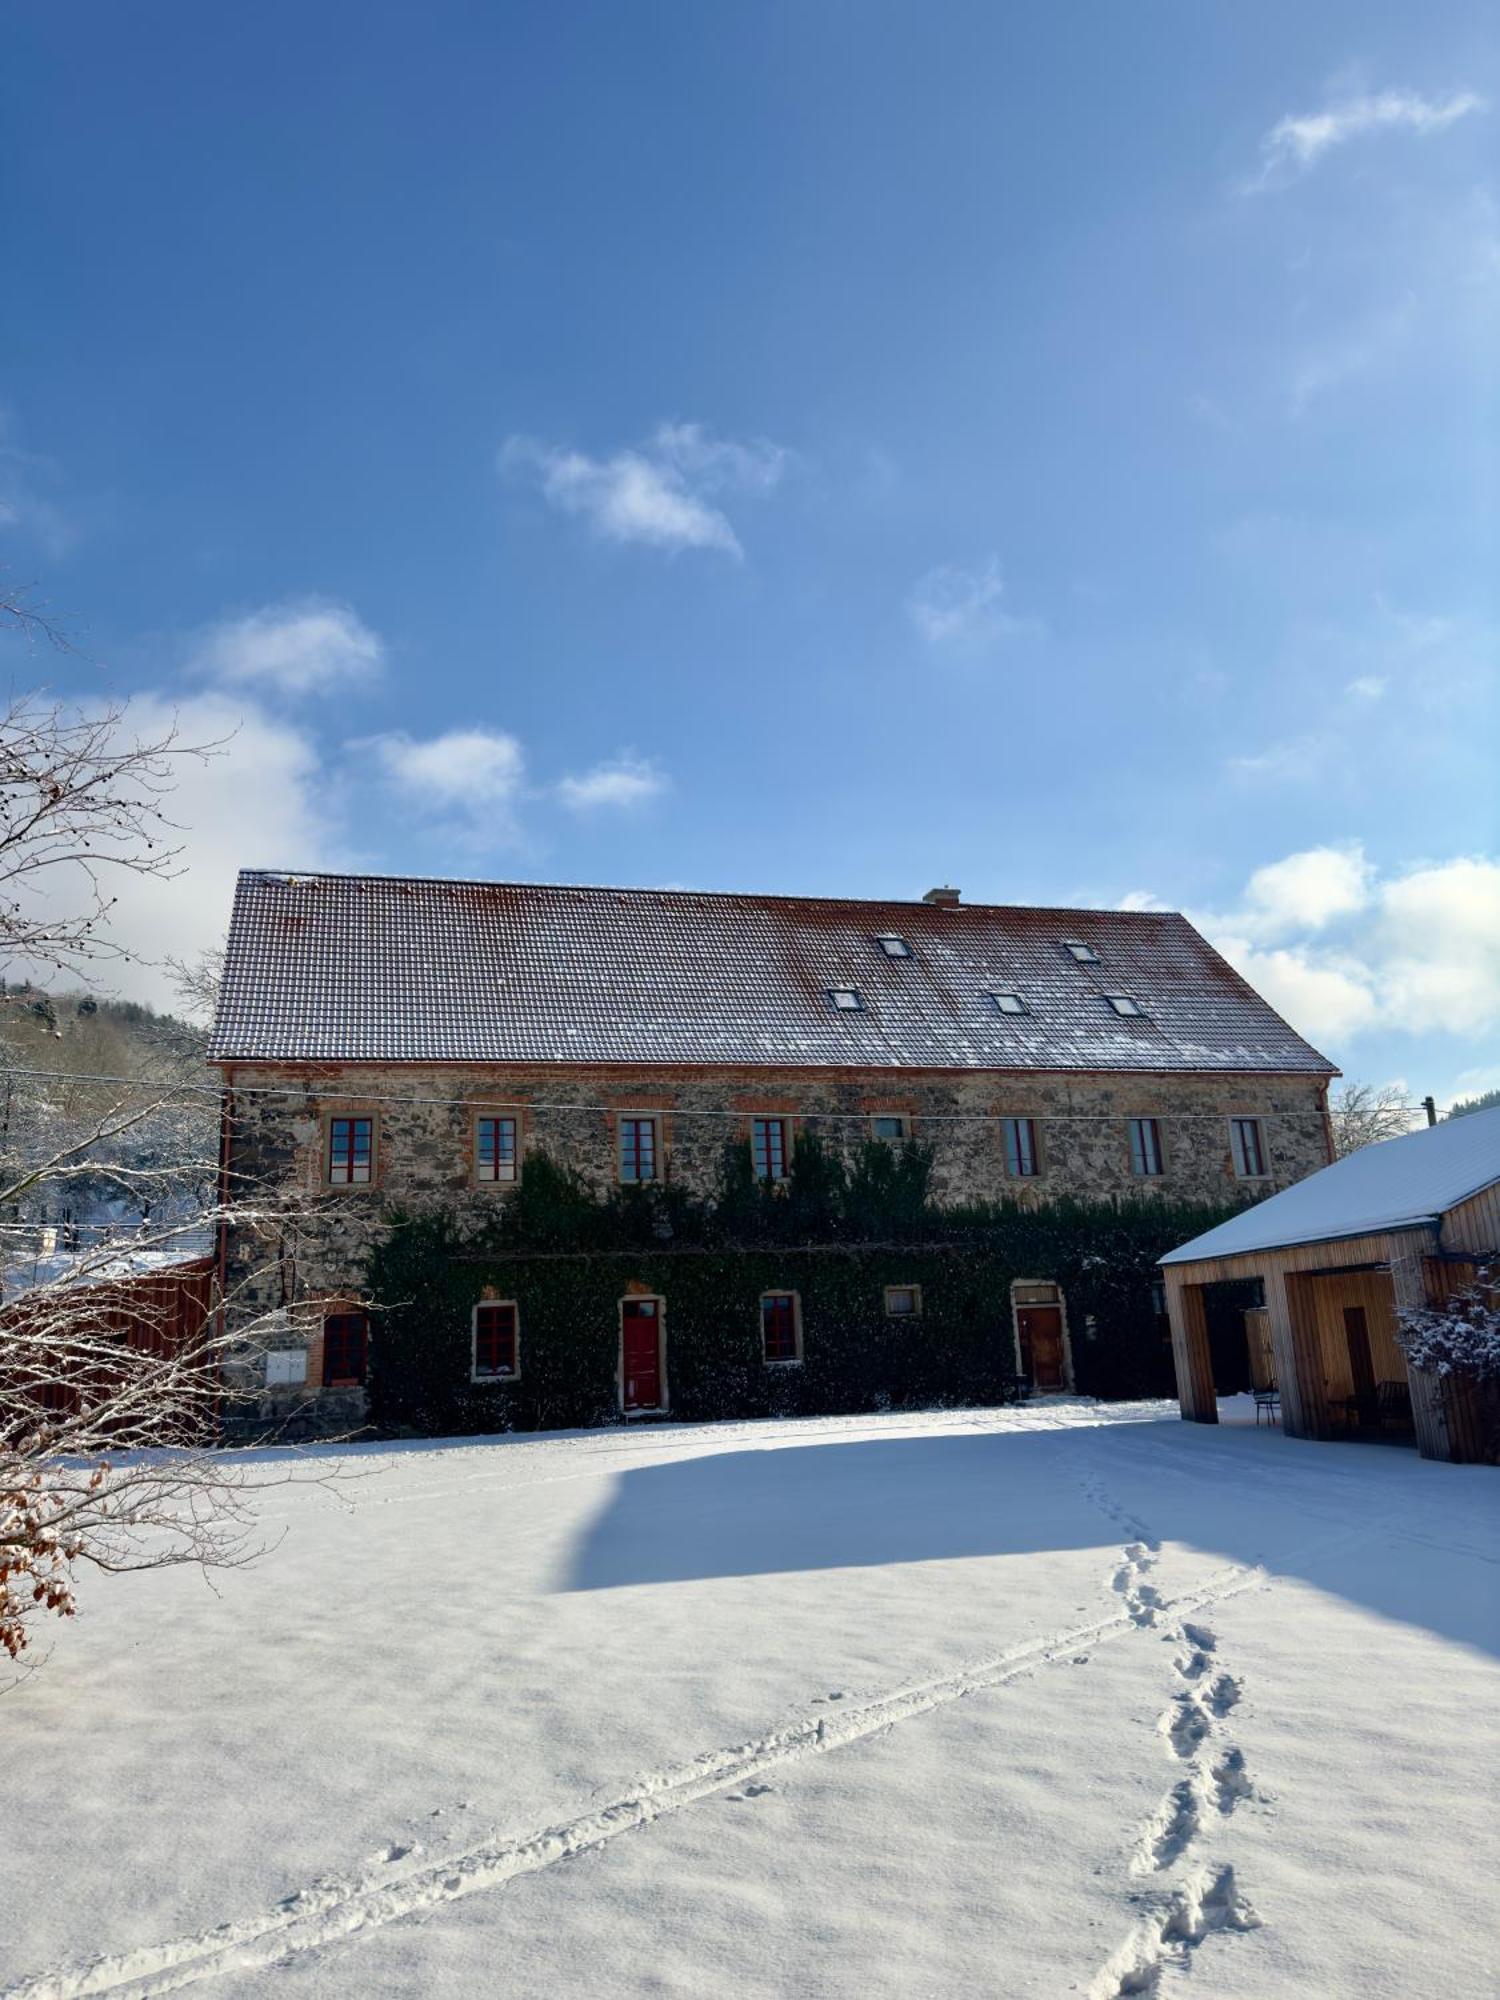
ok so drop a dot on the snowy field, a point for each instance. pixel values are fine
(1066, 1700)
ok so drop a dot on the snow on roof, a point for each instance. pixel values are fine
(1398, 1184)
(379, 968)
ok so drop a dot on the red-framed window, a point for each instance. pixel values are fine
(638, 1149)
(495, 1155)
(769, 1149)
(1248, 1150)
(351, 1150)
(778, 1326)
(497, 1342)
(1145, 1147)
(346, 1349)
(1020, 1148)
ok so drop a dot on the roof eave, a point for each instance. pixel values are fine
(1177, 1259)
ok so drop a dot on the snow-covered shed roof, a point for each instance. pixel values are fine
(1398, 1184)
(390, 969)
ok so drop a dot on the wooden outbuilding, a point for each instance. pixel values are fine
(1404, 1223)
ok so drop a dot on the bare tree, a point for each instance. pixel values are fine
(81, 800)
(197, 981)
(1362, 1114)
(114, 1363)
(19, 612)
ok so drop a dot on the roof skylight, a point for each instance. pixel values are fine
(1084, 953)
(845, 999)
(1009, 1003)
(1124, 1004)
(893, 946)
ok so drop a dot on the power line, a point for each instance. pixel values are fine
(494, 1101)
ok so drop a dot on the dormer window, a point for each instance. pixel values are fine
(893, 946)
(1007, 1002)
(1084, 953)
(845, 1000)
(1123, 1004)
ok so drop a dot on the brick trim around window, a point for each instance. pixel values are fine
(351, 1142)
(638, 1147)
(495, 1343)
(771, 1147)
(346, 1348)
(780, 1329)
(495, 1141)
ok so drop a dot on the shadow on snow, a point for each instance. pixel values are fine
(1413, 1541)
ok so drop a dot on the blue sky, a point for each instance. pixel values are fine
(798, 447)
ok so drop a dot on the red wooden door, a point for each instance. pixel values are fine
(640, 1354)
(1040, 1328)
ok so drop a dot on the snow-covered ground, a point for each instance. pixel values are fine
(1058, 1700)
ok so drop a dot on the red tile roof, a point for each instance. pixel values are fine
(389, 969)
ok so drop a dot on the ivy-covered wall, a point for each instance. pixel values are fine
(837, 1235)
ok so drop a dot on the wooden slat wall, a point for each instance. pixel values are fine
(1473, 1226)
(1475, 1223)
(1304, 1318)
(1190, 1351)
(1297, 1341)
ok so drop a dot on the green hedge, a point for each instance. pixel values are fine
(567, 1257)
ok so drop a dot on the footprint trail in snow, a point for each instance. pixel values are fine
(1197, 1895)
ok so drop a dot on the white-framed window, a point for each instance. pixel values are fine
(770, 1147)
(903, 1301)
(286, 1367)
(497, 1149)
(845, 1000)
(639, 1147)
(1247, 1149)
(1145, 1148)
(1022, 1159)
(780, 1328)
(1006, 1001)
(892, 1126)
(497, 1341)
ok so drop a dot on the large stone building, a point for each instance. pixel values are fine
(396, 1049)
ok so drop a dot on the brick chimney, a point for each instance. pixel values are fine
(946, 899)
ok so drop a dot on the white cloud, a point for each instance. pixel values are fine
(1368, 687)
(301, 647)
(1307, 891)
(960, 610)
(1322, 997)
(1340, 949)
(469, 779)
(1439, 933)
(1292, 762)
(1297, 142)
(624, 781)
(257, 801)
(662, 493)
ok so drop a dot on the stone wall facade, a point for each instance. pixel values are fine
(290, 1274)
